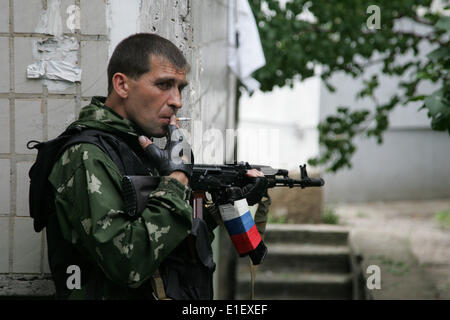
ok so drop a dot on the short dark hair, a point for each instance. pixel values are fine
(131, 56)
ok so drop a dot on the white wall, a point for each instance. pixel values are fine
(290, 116)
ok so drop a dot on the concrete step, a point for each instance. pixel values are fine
(306, 234)
(303, 262)
(295, 286)
(303, 258)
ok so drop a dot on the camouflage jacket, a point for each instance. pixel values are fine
(89, 208)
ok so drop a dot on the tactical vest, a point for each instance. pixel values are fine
(186, 273)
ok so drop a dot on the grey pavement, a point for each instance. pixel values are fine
(406, 241)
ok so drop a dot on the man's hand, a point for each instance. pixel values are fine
(180, 176)
(253, 191)
(256, 188)
(171, 161)
(254, 173)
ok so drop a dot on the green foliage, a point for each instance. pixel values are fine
(361, 214)
(397, 268)
(443, 218)
(276, 220)
(339, 40)
(329, 216)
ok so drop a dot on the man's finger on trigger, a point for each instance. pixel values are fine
(256, 173)
(251, 173)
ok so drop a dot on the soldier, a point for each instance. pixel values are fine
(119, 257)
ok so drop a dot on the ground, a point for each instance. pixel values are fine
(407, 240)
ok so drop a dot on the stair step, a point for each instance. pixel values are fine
(306, 234)
(308, 249)
(289, 285)
(303, 258)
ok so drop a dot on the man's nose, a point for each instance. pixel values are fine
(175, 99)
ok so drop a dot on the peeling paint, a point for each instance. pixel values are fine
(56, 57)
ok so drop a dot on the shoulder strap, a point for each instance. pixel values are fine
(124, 156)
(106, 142)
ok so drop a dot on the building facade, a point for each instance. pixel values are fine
(76, 38)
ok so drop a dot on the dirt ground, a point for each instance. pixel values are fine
(407, 242)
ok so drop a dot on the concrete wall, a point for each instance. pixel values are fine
(40, 109)
(278, 128)
(413, 161)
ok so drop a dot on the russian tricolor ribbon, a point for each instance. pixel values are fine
(241, 227)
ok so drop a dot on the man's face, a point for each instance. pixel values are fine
(155, 96)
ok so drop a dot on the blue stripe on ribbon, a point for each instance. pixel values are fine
(240, 224)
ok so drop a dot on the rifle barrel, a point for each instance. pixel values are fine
(288, 182)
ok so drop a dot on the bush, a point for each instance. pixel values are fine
(443, 218)
(329, 216)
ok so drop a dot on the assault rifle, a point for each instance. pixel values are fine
(214, 179)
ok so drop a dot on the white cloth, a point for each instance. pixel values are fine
(249, 56)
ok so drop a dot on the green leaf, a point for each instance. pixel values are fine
(329, 86)
(434, 103)
(417, 98)
(442, 52)
(438, 110)
(423, 75)
(443, 24)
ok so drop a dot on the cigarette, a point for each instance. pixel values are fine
(183, 119)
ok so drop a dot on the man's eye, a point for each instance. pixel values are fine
(164, 85)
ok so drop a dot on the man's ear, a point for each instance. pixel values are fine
(120, 84)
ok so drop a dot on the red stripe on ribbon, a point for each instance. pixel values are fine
(246, 242)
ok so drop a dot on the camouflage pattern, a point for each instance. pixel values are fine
(89, 206)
